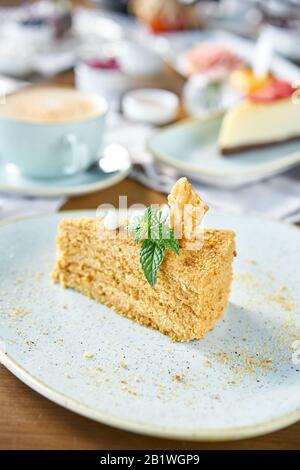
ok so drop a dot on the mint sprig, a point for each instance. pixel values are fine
(151, 257)
(153, 231)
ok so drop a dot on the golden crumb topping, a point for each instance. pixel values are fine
(186, 210)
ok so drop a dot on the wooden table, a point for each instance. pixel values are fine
(29, 421)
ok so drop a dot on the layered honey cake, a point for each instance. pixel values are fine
(179, 286)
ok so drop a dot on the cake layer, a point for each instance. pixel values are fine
(246, 148)
(192, 288)
(250, 125)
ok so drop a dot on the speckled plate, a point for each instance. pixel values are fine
(241, 380)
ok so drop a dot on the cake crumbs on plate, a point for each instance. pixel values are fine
(130, 392)
(178, 378)
(123, 365)
(247, 279)
(283, 298)
(216, 397)
(242, 363)
(251, 261)
(18, 312)
(38, 276)
(18, 280)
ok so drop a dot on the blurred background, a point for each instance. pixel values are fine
(205, 52)
(157, 63)
(44, 37)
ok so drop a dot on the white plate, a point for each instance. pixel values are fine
(83, 183)
(191, 146)
(238, 381)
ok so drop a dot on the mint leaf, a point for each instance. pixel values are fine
(151, 257)
(152, 229)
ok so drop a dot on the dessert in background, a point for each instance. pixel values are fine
(102, 74)
(156, 280)
(209, 57)
(267, 116)
(208, 89)
(114, 68)
(245, 81)
(163, 16)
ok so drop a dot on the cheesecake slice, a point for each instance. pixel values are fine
(267, 117)
(192, 287)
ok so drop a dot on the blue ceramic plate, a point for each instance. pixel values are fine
(242, 379)
(191, 146)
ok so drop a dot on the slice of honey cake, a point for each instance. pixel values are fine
(148, 270)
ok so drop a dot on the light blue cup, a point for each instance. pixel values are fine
(53, 150)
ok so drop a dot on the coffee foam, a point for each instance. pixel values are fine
(51, 105)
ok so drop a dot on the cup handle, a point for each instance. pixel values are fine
(79, 153)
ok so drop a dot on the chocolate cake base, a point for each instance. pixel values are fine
(227, 151)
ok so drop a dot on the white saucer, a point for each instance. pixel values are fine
(87, 182)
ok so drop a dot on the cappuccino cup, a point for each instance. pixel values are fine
(51, 132)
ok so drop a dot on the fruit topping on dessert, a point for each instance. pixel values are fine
(244, 81)
(275, 90)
